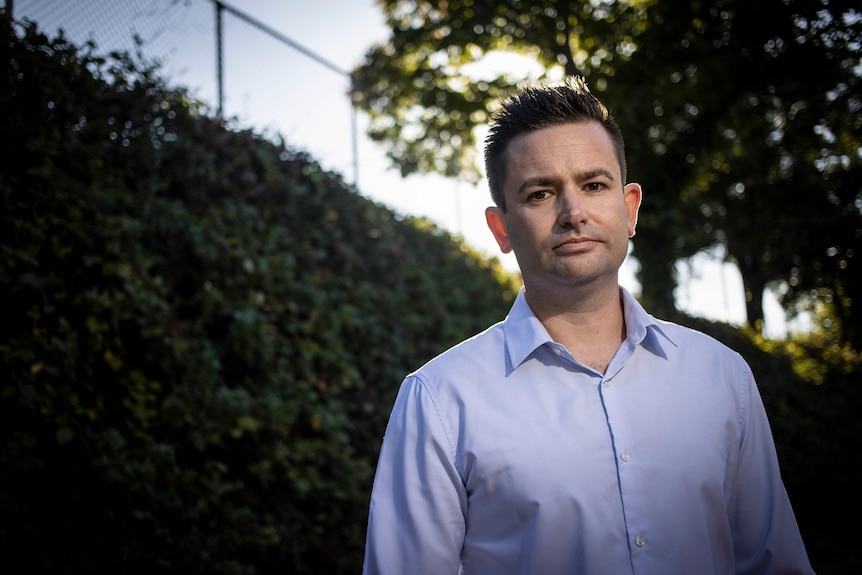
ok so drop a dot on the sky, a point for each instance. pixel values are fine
(280, 88)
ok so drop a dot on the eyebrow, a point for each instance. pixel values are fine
(537, 182)
(548, 181)
(594, 173)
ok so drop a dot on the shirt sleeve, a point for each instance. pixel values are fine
(418, 505)
(766, 537)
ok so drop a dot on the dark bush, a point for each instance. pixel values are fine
(202, 333)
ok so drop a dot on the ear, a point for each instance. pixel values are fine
(497, 224)
(632, 194)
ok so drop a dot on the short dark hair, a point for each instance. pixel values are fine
(538, 107)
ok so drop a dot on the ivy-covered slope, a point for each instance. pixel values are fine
(202, 331)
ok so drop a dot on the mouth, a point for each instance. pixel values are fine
(575, 245)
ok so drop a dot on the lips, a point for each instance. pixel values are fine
(575, 244)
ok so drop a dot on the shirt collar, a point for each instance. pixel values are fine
(524, 333)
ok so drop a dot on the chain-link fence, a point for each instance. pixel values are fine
(263, 81)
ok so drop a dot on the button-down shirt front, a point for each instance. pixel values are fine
(505, 455)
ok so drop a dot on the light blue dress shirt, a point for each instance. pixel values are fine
(504, 455)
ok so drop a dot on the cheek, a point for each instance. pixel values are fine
(522, 233)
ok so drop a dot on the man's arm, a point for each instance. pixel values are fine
(766, 538)
(418, 507)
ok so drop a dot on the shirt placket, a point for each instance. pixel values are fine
(625, 456)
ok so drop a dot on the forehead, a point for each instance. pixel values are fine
(560, 150)
(578, 140)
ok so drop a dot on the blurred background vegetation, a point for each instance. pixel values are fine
(203, 331)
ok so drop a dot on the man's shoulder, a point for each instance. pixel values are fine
(690, 339)
(481, 352)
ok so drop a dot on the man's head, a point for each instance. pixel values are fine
(540, 107)
(557, 174)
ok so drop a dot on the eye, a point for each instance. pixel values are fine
(594, 187)
(538, 195)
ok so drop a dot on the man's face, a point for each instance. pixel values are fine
(568, 216)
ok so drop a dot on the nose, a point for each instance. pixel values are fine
(572, 212)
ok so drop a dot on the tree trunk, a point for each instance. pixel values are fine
(656, 274)
(754, 285)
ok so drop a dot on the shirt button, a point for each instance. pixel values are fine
(624, 456)
(606, 383)
(640, 541)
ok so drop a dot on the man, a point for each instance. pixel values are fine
(580, 435)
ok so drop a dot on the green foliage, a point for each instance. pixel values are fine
(203, 332)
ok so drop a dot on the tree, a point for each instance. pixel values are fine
(718, 121)
(768, 148)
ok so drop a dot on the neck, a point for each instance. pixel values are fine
(591, 325)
